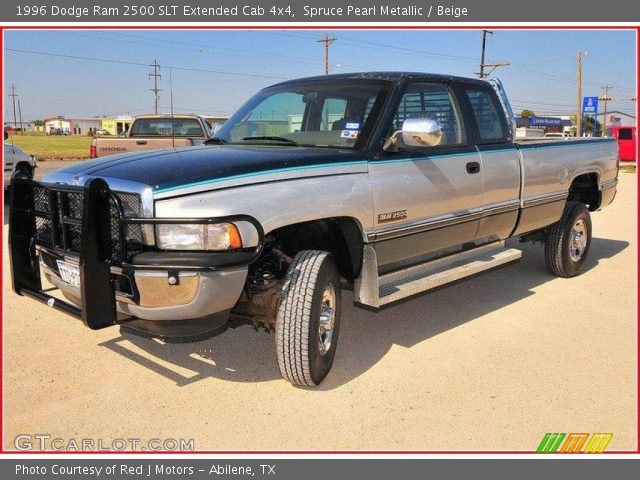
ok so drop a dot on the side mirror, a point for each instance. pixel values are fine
(418, 130)
(6, 135)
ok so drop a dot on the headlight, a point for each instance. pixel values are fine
(216, 236)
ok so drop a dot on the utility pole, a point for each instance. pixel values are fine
(483, 65)
(606, 98)
(20, 117)
(156, 76)
(484, 47)
(13, 96)
(579, 96)
(327, 41)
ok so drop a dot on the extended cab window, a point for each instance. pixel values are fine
(435, 102)
(487, 115)
(162, 127)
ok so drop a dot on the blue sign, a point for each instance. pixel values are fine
(545, 122)
(590, 105)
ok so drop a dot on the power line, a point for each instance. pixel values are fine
(155, 75)
(141, 64)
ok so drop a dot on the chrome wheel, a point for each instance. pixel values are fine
(327, 318)
(578, 240)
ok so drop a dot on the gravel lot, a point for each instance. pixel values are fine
(491, 363)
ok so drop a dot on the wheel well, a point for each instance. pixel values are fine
(341, 236)
(584, 189)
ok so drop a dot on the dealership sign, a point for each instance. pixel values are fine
(545, 122)
(590, 105)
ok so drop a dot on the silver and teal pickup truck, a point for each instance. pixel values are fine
(391, 184)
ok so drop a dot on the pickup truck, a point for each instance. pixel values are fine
(390, 184)
(150, 132)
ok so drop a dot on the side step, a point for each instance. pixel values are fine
(410, 281)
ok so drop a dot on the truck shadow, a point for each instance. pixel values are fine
(246, 355)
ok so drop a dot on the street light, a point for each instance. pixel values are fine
(579, 112)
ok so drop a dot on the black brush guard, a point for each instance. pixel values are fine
(95, 259)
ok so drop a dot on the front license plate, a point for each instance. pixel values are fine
(69, 273)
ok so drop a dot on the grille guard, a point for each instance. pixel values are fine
(95, 260)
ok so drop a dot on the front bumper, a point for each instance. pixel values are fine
(151, 287)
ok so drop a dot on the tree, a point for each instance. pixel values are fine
(38, 123)
(587, 126)
(526, 113)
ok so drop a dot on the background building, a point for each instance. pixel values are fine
(117, 125)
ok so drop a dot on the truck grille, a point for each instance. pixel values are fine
(59, 222)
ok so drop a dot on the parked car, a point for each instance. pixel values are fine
(557, 135)
(16, 162)
(150, 132)
(102, 131)
(394, 184)
(627, 141)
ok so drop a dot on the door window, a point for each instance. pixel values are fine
(431, 102)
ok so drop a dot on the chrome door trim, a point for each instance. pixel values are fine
(443, 221)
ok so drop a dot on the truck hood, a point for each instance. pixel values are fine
(172, 169)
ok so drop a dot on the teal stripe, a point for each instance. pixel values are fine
(356, 162)
(563, 145)
(255, 174)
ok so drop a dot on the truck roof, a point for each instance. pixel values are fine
(390, 76)
(169, 115)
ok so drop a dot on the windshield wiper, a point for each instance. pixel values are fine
(215, 141)
(269, 138)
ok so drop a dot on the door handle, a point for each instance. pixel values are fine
(473, 167)
(141, 142)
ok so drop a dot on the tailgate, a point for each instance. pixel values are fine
(110, 146)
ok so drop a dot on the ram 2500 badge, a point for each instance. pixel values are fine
(392, 184)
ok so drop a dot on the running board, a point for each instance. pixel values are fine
(375, 291)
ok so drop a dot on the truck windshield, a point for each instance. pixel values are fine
(331, 114)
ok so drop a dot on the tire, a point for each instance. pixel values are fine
(305, 355)
(568, 241)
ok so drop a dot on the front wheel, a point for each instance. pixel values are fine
(568, 241)
(308, 318)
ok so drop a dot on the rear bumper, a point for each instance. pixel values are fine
(129, 292)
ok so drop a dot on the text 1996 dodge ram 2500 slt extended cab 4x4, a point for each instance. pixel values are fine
(392, 184)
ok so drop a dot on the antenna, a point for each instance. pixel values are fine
(173, 134)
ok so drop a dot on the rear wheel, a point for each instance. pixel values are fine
(308, 320)
(568, 241)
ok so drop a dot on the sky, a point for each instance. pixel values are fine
(214, 72)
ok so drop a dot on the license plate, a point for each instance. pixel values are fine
(69, 273)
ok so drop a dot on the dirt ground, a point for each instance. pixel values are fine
(489, 364)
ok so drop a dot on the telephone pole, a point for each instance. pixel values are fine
(484, 47)
(13, 96)
(327, 41)
(579, 96)
(481, 73)
(156, 76)
(606, 98)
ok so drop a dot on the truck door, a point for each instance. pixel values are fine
(426, 198)
(500, 163)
